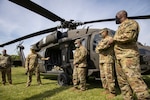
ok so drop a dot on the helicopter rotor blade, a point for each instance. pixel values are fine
(38, 9)
(29, 36)
(140, 17)
(113, 19)
(102, 20)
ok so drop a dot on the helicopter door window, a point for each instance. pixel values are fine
(96, 40)
(144, 55)
(83, 42)
(147, 52)
(142, 51)
(44, 40)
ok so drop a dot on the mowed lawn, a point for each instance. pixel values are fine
(50, 90)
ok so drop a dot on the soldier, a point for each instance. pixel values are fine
(5, 63)
(80, 64)
(127, 59)
(106, 62)
(31, 65)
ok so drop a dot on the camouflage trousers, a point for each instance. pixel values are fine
(107, 76)
(130, 80)
(6, 71)
(30, 73)
(79, 77)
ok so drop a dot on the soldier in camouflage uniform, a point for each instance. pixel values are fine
(80, 64)
(5, 64)
(106, 62)
(127, 59)
(31, 65)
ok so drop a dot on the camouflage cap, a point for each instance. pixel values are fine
(4, 50)
(32, 47)
(103, 30)
(77, 40)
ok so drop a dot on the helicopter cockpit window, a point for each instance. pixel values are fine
(144, 52)
(111, 33)
(96, 40)
(147, 52)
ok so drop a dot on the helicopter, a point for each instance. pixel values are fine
(59, 46)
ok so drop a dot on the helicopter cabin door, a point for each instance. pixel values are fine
(94, 57)
(41, 63)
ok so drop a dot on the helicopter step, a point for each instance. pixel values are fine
(52, 72)
(55, 70)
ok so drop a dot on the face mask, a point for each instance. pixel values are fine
(77, 45)
(117, 20)
(102, 35)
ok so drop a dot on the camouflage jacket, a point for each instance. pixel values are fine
(5, 61)
(125, 39)
(105, 50)
(32, 60)
(80, 56)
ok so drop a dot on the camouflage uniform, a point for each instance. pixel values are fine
(6, 63)
(79, 71)
(32, 65)
(127, 61)
(106, 64)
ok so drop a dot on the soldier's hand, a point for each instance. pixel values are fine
(76, 65)
(48, 58)
(110, 41)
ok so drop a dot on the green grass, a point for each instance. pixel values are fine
(50, 90)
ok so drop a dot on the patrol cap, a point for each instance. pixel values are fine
(77, 40)
(4, 50)
(32, 47)
(103, 30)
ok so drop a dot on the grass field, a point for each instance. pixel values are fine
(50, 90)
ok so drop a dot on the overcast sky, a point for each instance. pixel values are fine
(16, 21)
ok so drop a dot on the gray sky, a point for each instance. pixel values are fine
(16, 21)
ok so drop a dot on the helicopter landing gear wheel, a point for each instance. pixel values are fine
(63, 79)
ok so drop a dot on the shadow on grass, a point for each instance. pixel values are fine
(47, 94)
(50, 77)
(92, 83)
(19, 83)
